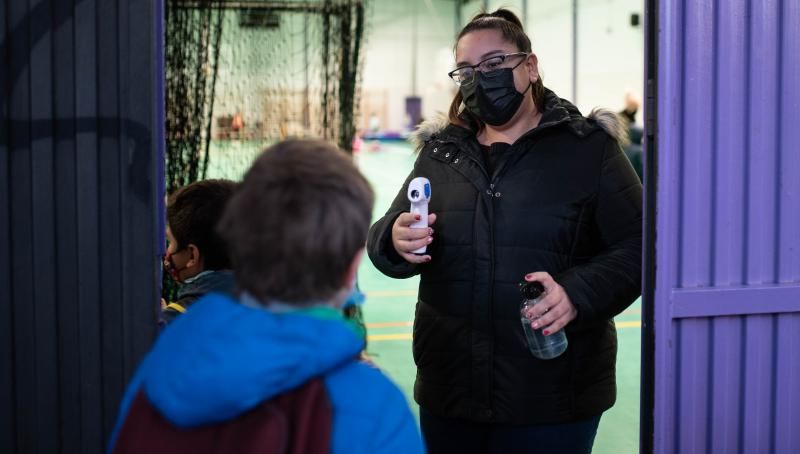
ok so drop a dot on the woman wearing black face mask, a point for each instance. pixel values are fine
(523, 188)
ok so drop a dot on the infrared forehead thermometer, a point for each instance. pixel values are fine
(419, 194)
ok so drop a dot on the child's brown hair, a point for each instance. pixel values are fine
(297, 221)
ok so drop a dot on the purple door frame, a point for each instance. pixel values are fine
(722, 273)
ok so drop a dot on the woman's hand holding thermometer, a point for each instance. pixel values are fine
(419, 193)
(411, 233)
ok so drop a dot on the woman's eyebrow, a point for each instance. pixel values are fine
(482, 57)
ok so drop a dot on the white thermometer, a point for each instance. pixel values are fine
(419, 194)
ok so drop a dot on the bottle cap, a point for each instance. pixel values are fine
(531, 290)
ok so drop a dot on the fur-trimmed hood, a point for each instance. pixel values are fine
(557, 111)
(427, 129)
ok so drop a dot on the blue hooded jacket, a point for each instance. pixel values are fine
(223, 358)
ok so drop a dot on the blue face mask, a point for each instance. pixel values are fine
(493, 97)
(354, 299)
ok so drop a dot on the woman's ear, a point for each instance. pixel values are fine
(532, 63)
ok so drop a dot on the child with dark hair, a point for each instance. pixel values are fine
(197, 258)
(277, 370)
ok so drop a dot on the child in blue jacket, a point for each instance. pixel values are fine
(277, 369)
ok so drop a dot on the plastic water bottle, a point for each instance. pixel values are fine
(542, 347)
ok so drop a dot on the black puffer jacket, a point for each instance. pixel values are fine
(566, 201)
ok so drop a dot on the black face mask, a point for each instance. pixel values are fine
(493, 99)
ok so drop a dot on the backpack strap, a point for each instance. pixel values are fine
(176, 307)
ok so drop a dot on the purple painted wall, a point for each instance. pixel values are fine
(727, 292)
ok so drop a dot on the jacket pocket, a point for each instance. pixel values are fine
(425, 321)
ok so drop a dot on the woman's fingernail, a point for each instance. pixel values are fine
(430, 231)
(417, 217)
(430, 238)
(535, 325)
(427, 259)
(546, 333)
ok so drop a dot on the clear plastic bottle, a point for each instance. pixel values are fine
(541, 346)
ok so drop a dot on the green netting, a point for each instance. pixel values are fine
(241, 75)
(192, 43)
(286, 69)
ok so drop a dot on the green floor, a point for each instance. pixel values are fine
(389, 311)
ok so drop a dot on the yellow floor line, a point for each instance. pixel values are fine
(388, 337)
(388, 324)
(631, 324)
(407, 336)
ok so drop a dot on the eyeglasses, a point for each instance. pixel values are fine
(465, 75)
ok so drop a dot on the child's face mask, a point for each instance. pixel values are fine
(171, 269)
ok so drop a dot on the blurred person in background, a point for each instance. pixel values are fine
(633, 147)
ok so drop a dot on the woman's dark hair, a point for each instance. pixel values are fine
(511, 28)
(296, 222)
(192, 214)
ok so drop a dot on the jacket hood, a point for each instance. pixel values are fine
(426, 130)
(223, 358)
(557, 110)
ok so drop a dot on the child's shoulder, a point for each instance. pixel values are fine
(370, 408)
(362, 379)
(365, 392)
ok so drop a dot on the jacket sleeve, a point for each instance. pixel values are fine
(379, 240)
(611, 281)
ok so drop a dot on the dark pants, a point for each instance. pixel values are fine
(447, 435)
